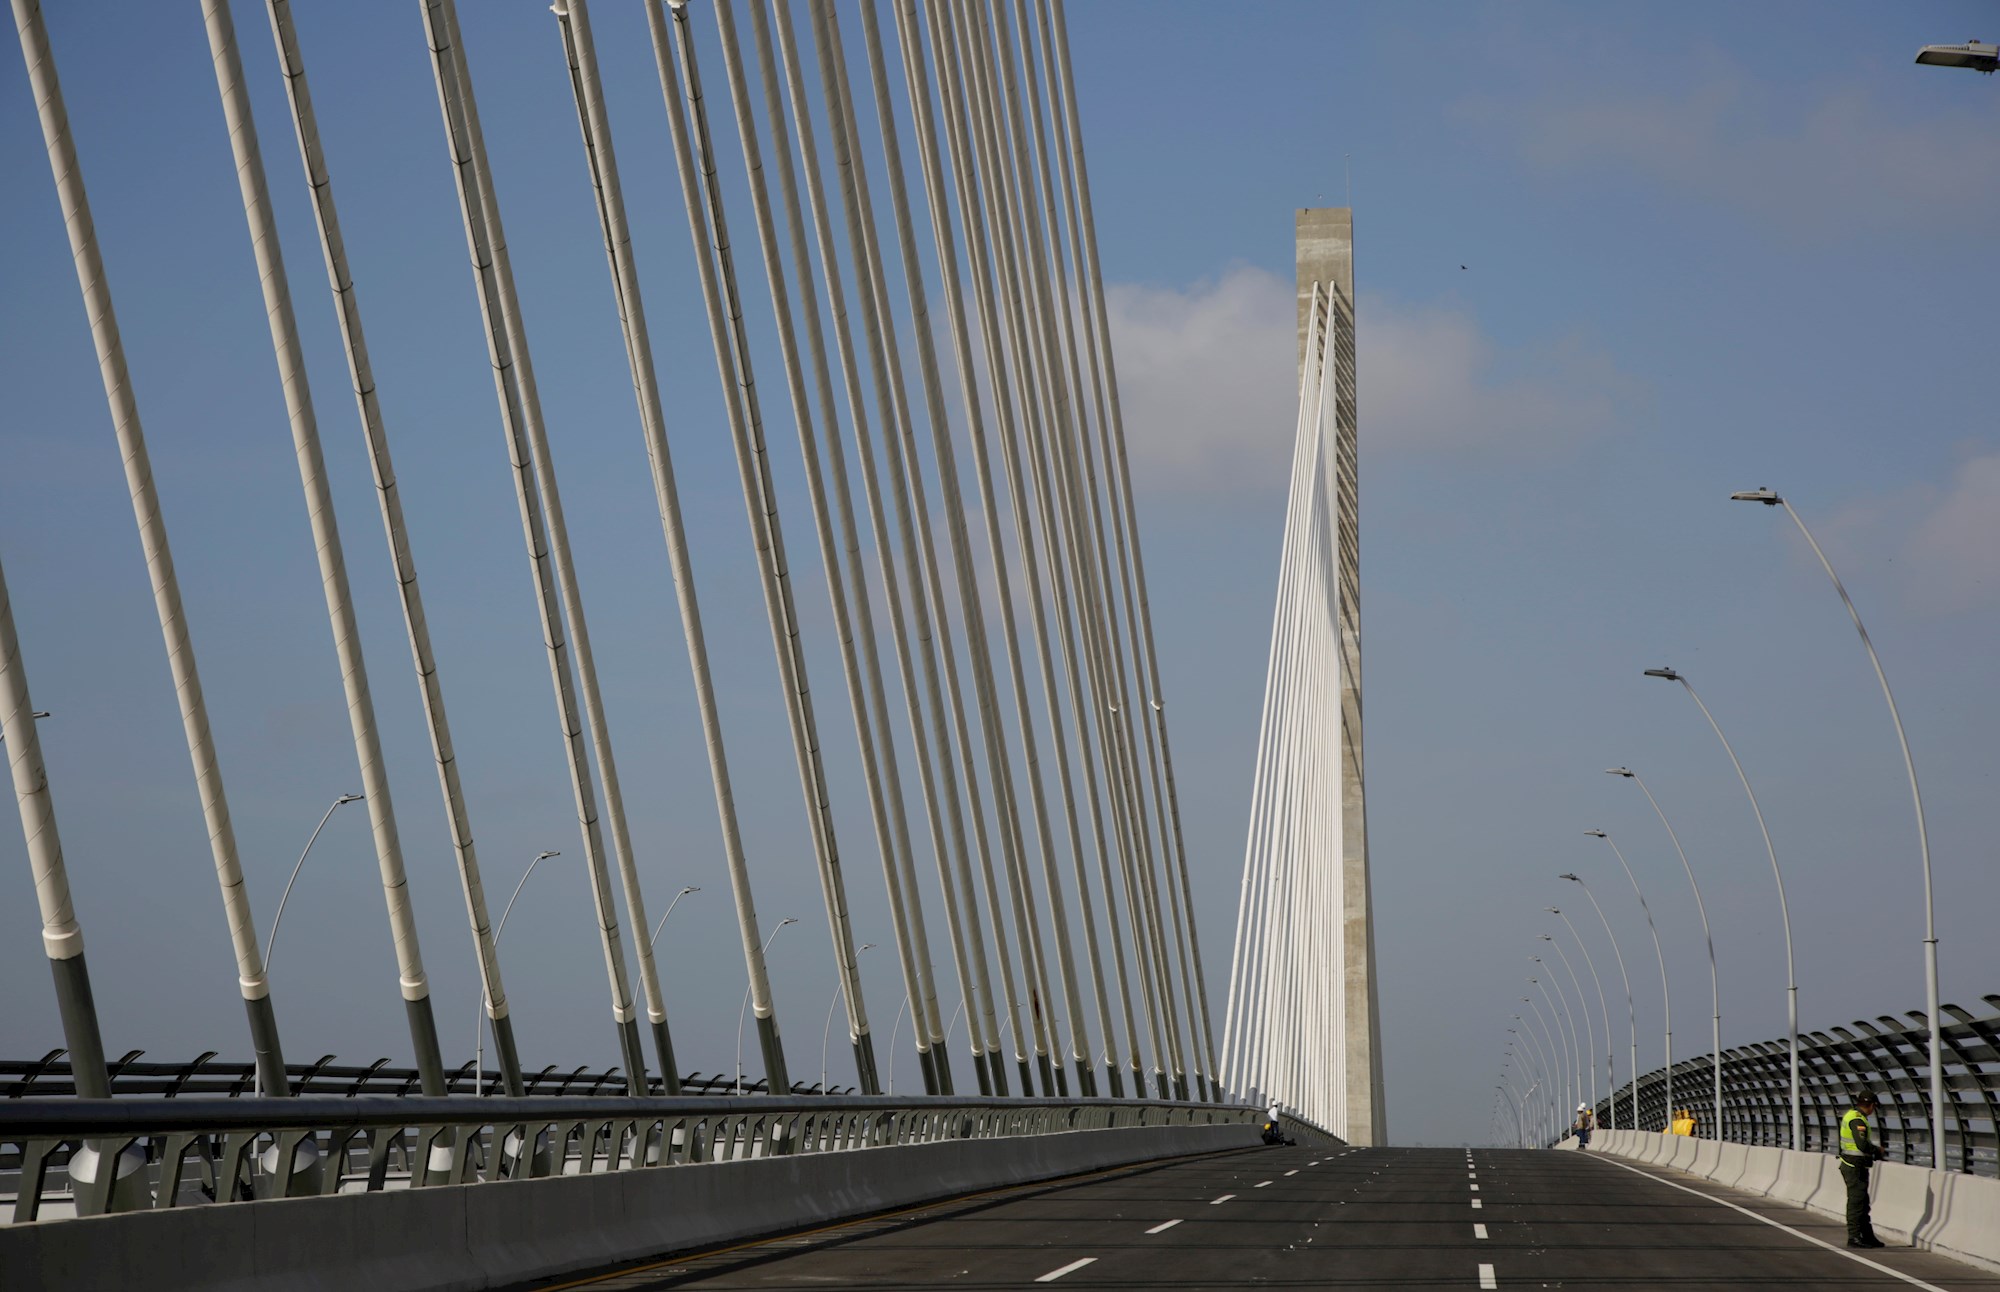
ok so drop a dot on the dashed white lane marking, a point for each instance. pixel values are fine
(1072, 1268)
(1472, 1175)
(1261, 1184)
(1312, 1164)
(1216, 1202)
(1486, 1279)
(1292, 1172)
(1477, 1204)
(1474, 1188)
(1479, 1231)
(1873, 1265)
(1163, 1226)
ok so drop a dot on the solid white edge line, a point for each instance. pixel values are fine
(1164, 1226)
(1775, 1224)
(1070, 1268)
(1216, 1202)
(1479, 1231)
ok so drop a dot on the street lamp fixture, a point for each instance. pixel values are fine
(691, 888)
(38, 715)
(1972, 54)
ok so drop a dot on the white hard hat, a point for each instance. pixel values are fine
(1583, 1108)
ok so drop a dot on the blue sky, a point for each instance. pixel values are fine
(1706, 247)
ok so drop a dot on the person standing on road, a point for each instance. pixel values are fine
(1858, 1154)
(1584, 1122)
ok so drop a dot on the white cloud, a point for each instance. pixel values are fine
(1209, 375)
(1844, 163)
(1954, 554)
(1937, 544)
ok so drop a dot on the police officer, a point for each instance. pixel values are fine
(1859, 1152)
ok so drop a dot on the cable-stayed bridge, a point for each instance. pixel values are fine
(925, 285)
(943, 348)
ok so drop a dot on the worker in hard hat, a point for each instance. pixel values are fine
(1859, 1152)
(1585, 1121)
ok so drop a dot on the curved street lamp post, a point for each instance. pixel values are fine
(1604, 1011)
(485, 1005)
(1565, 1030)
(1770, 498)
(1714, 982)
(744, 1008)
(690, 888)
(1784, 907)
(1583, 1008)
(271, 939)
(827, 1031)
(1666, 994)
(1631, 1010)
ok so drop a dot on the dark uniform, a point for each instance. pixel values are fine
(1858, 1153)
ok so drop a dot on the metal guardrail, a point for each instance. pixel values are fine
(132, 1076)
(1886, 1056)
(89, 1156)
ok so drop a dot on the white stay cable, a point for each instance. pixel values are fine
(924, 993)
(954, 96)
(831, 550)
(1180, 913)
(892, 818)
(124, 407)
(1027, 393)
(388, 495)
(1089, 557)
(945, 453)
(534, 480)
(760, 497)
(905, 462)
(263, 226)
(1100, 318)
(918, 87)
(1047, 431)
(947, 255)
(919, 558)
(1288, 784)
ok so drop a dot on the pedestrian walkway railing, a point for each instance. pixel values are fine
(1886, 1056)
(133, 1075)
(88, 1156)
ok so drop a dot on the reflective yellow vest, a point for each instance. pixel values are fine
(1848, 1148)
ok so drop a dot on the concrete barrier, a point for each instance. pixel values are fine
(1731, 1161)
(469, 1237)
(1952, 1214)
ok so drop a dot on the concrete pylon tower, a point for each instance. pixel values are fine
(1325, 259)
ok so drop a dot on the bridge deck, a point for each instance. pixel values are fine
(1343, 1218)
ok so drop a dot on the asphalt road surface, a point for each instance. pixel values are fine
(1327, 1218)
